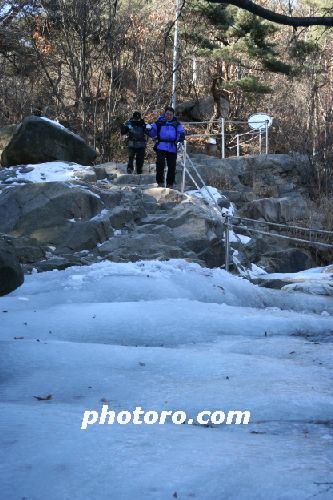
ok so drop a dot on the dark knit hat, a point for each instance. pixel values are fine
(137, 115)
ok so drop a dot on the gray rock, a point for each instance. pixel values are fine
(68, 217)
(28, 250)
(56, 262)
(11, 274)
(189, 228)
(80, 235)
(202, 109)
(87, 175)
(275, 284)
(32, 208)
(135, 246)
(278, 209)
(120, 216)
(100, 172)
(290, 260)
(245, 179)
(6, 134)
(134, 179)
(38, 140)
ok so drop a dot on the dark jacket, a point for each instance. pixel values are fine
(136, 131)
(172, 132)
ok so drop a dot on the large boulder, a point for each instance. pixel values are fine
(54, 213)
(11, 274)
(40, 140)
(6, 134)
(290, 260)
(278, 209)
(274, 187)
(202, 109)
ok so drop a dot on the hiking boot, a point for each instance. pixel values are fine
(160, 185)
(170, 186)
(129, 170)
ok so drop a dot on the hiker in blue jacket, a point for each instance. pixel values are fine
(169, 133)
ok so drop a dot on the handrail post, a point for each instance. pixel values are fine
(184, 168)
(260, 145)
(227, 243)
(237, 137)
(266, 130)
(223, 138)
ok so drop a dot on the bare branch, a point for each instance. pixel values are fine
(274, 17)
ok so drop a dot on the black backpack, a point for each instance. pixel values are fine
(136, 134)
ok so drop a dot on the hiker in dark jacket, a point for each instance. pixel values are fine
(135, 129)
(169, 133)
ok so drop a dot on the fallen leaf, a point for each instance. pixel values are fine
(18, 338)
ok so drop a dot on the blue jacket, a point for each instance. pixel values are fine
(171, 131)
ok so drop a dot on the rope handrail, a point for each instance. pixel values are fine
(275, 235)
(312, 230)
(226, 218)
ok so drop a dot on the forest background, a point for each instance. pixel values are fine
(89, 64)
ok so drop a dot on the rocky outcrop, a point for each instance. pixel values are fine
(11, 274)
(183, 230)
(202, 109)
(73, 222)
(39, 140)
(274, 187)
(54, 213)
(285, 209)
(6, 134)
(102, 212)
(289, 260)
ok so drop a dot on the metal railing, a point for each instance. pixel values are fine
(222, 124)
